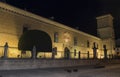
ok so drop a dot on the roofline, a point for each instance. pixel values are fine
(40, 18)
(103, 16)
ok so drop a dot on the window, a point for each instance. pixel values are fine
(75, 41)
(56, 37)
(88, 44)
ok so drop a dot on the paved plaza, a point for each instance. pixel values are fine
(108, 71)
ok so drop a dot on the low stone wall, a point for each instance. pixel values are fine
(13, 64)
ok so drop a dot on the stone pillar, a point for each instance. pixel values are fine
(94, 51)
(105, 52)
(74, 53)
(79, 53)
(5, 50)
(34, 52)
(53, 53)
(88, 55)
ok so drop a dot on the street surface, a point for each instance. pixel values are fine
(108, 71)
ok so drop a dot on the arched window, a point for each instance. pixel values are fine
(56, 37)
(75, 41)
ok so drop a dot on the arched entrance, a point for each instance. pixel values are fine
(41, 40)
(66, 53)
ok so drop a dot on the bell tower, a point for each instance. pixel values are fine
(105, 31)
(105, 28)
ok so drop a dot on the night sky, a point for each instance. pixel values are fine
(74, 13)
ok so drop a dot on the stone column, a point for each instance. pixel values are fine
(5, 50)
(79, 53)
(53, 53)
(105, 52)
(94, 51)
(88, 55)
(34, 52)
(74, 53)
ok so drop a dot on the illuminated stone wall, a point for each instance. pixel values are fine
(106, 32)
(13, 20)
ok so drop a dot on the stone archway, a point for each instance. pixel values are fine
(41, 40)
(66, 53)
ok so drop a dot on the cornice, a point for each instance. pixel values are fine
(104, 16)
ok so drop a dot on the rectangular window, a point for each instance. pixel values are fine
(75, 41)
(56, 37)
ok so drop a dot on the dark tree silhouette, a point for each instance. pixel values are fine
(37, 38)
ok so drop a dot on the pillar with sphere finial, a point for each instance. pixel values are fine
(94, 51)
(105, 52)
(34, 52)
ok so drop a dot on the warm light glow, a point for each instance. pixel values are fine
(2, 51)
(66, 37)
(14, 53)
(59, 55)
(44, 55)
(27, 54)
(67, 40)
(98, 54)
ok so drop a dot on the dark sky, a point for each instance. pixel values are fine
(74, 13)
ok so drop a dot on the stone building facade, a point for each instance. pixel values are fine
(13, 22)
